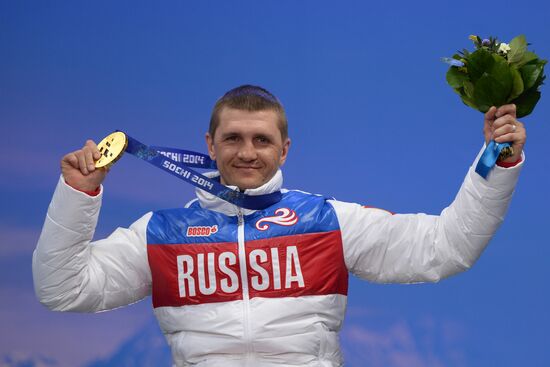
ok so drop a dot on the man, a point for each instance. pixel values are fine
(233, 286)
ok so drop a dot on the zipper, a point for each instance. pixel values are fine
(244, 279)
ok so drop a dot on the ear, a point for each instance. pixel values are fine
(210, 146)
(284, 153)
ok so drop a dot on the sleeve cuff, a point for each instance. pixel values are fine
(90, 193)
(509, 164)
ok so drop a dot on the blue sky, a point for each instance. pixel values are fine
(371, 121)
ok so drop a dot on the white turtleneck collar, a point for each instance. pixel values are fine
(212, 202)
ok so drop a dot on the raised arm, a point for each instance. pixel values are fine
(409, 248)
(70, 272)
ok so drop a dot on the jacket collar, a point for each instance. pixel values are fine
(212, 202)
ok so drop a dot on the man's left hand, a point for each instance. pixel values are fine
(502, 126)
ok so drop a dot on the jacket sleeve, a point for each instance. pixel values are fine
(409, 248)
(71, 273)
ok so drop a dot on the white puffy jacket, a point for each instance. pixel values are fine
(234, 287)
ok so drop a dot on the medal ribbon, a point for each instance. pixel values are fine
(187, 157)
(489, 158)
(178, 162)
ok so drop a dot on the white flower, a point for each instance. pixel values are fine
(503, 48)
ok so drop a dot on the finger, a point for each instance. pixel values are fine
(504, 120)
(503, 130)
(82, 162)
(91, 144)
(89, 157)
(95, 153)
(508, 109)
(488, 122)
(490, 114)
(508, 138)
(520, 125)
(517, 137)
(71, 159)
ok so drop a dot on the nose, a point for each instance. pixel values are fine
(247, 151)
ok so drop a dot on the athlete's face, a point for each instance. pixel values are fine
(248, 147)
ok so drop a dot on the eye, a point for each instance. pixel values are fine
(231, 138)
(262, 140)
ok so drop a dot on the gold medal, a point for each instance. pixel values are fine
(111, 149)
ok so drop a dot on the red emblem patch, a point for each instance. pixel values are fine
(285, 217)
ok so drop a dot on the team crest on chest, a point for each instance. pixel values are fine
(282, 217)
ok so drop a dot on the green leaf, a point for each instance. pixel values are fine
(539, 81)
(470, 103)
(528, 57)
(488, 92)
(541, 77)
(455, 77)
(501, 72)
(530, 73)
(526, 102)
(466, 94)
(518, 47)
(478, 63)
(469, 89)
(458, 91)
(517, 88)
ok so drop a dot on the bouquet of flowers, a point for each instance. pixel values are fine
(497, 73)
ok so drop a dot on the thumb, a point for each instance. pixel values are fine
(490, 117)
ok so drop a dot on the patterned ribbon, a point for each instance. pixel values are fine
(178, 162)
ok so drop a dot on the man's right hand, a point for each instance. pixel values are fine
(78, 168)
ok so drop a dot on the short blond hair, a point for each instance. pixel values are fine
(249, 98)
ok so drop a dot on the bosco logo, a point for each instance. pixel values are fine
(201, 231)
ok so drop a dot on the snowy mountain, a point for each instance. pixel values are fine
(16, 359)
(391, 343)
(146, 348)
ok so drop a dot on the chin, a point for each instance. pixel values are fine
(245, 182)
(248, 186)
(245, 185)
